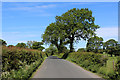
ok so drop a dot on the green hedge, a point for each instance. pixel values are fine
(118, 68)
(88, 60)
(98, 63)
(20, 63)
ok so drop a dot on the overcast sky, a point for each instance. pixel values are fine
(23, 21)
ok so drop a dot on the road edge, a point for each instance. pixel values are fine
(85, 69)
(37, 69)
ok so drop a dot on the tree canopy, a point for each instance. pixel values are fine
(21, 45)
(2, 42)
(94, 44)
(37, 45)
(53, 35)
(10, 45)
(81, 50)
(51, 50)
(30, 43)
(72, 26)
(111, 46)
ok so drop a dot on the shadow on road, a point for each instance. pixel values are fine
(53, 57)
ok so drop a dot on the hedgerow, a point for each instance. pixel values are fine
(88, 60)
(98, 63)
(19, 62)
(118, 68)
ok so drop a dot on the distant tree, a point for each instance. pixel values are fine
(94, 44)
(2, 42)
(81, 50)
(30, 43)
(10, 45)
(37, 45)
(110, 46)
(21, 45)
(51, 50)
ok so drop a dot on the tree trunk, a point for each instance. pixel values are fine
(71, 43)
(59, 46)
(59, 49)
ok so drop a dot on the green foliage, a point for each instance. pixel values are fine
(118, 67)
(21, 45)
(77, 24)
(87, 59)
(2, 42)
(54, 35)
(37, 45)
(30, 43)
(64, 49)
(70, 27)
(52, 50)
(10, 45)
(81, 50)
(19, 62)
(107, 67)
(109, 70)
(94, 44)
(111, 47)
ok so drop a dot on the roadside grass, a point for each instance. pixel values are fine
(36, 69)
(59, 55)
(107, 71)
(68, 59)
(111, 63)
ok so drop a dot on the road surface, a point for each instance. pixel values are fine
(53, 67)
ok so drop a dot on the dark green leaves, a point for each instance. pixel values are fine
(72, 26)
(94, 44)
(2, 42)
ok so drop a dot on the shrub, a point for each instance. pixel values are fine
(118, 68)
(81, 50)
(89, 60)
(20, 62)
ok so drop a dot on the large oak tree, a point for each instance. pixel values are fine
(72, 26)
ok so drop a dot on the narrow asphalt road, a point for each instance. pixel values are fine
(59, 68)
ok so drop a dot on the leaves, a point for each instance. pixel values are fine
(37, 45)
(94, 44)
(21, 45)
(2, 42)
(111, 47)
(73, 25)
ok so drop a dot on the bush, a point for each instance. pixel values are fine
(118, 68)
(51, 50)
(98, 63)
(20, 62)
(87, 58)
(86, 63)
(81, 50)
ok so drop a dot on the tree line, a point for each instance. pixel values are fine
(29, 44)
(75, 25)
(96, 44)
(69, 28)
